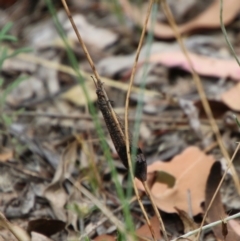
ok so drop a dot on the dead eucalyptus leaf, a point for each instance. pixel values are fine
(203, 65)
(144, 231)
(188, 222)
(208, 19)
(216, 211)
(190, 169)
(169, 55)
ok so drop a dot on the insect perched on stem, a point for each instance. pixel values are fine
(116, 131)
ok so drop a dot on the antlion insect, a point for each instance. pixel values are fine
(116, 131)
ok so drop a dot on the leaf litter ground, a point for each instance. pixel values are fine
(49, 141)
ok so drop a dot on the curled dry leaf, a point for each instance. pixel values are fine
(232, 97)
(216, 211)
(208, 19)
(190, 169)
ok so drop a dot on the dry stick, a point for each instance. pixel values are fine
(201, 92)
(216, 191)
(99, 85)
(126, 124)
(89, 58)
(208, 226)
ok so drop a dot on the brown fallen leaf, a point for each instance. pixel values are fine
(173, 57)
(208, 19)
(170, 55)
(190, 169)
(5, 156)
(188, 222)
(203, 65)
(235, 225)
(144, 231)
(218, 108)
(216, 211)
(232, 97)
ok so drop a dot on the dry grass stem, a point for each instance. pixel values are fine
(101, 206)
(148, 192)
(68, 70)
(90, 61)
(126, 125)
(80, 40)
(201, 93)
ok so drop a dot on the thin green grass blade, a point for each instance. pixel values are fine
(10, 88)
(225, 33)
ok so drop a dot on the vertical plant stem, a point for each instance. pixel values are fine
(225, 33)
(126, 122)
(148, 192)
